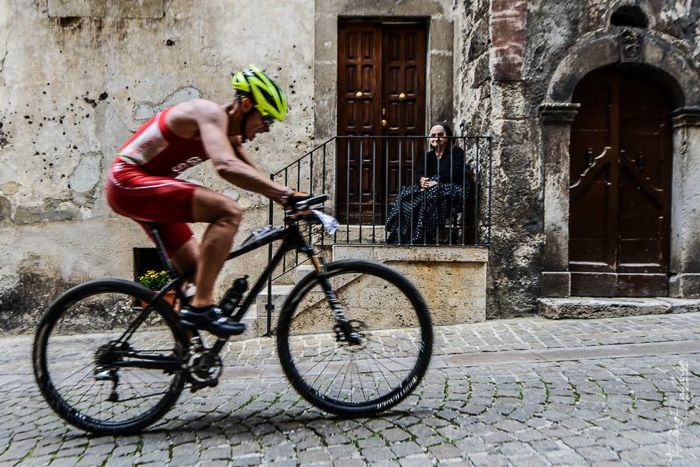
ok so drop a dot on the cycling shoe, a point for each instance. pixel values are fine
(209, 318)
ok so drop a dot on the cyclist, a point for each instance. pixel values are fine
(142, 183)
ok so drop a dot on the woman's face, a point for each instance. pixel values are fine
(437, 137)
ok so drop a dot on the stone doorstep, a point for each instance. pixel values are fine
(601, 307)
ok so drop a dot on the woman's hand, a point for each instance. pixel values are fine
(425, 182)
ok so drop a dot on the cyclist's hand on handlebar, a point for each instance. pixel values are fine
(283, 197)
(294, 197)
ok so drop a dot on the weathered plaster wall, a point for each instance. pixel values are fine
(77, 77)
(516, 88)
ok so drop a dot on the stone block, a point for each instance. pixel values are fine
(482, 73)
(5, 208)
(326, 38)
(556, 284)
(452, 280)
(441, 35)
(441, 98)
(479, 40)
(514, 100)
(588, 307)
(508, 33)
(684, 286)
(279, 295)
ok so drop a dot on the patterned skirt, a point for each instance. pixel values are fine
(418, 215)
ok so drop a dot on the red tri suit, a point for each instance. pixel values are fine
(142, 184)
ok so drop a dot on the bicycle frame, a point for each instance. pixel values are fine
(292, 240)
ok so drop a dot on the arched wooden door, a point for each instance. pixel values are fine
(620, 189)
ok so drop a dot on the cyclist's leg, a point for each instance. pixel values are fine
(173, 203)
(185, 258)
(224, 216)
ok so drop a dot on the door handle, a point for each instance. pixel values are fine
(402, 96)
(384, 122)
(358, 94)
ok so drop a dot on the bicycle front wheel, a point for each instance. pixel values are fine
(361, 378)
(107, 362)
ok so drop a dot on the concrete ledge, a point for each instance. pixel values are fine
(388, 253)
(592, 307)
(451, 279)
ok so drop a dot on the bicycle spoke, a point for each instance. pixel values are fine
(381, 364)
(122, 390)
(74, 373)
(324, 368)
(393, 359)
(334, 377)
(351, 378)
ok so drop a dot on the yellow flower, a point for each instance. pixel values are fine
(155, 280)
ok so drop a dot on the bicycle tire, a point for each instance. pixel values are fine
(371, 278)
(56, 337)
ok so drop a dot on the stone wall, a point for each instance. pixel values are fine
(452, 280)
(77, 77)
(526, 43)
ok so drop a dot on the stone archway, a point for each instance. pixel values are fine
(658, 54)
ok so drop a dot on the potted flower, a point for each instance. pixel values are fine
(156, 280)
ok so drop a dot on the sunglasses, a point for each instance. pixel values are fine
(268, 121)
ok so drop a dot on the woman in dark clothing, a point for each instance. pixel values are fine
(421, 210)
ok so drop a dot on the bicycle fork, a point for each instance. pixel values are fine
(343, 328)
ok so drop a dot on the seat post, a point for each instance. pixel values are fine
(160, 246)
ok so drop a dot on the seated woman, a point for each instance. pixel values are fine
(422, 209)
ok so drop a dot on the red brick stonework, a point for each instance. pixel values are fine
(508, 18)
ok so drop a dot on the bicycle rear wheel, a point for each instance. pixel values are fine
(361, 379)
(107, 363)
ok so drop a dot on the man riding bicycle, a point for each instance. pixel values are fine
(142, 183)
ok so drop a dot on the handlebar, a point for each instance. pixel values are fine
(304, 203)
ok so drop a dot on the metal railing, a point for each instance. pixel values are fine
(370, 177)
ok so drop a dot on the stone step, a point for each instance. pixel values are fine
(279, 295)
(251, 323)
(601, 307)
(301, 271)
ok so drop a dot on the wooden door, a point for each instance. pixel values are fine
(381, 92)
(620, 192)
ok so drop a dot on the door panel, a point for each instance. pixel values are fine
(359, 104)
(620, 196)
(381, 78)
(404, 99)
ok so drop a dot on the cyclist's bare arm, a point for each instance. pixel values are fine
(210, 121)
(243, 155)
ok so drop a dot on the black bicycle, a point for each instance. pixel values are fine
(353, 337)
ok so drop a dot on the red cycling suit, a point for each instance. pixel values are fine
(142, 184)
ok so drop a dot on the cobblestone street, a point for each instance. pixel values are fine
(507, 392)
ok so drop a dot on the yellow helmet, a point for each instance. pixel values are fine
(268, 98)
